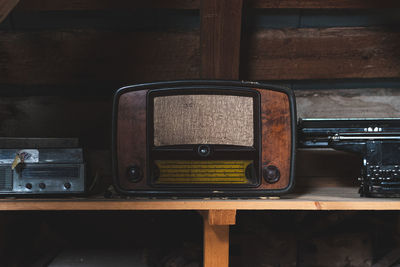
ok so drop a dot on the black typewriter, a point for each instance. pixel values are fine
(377, 140)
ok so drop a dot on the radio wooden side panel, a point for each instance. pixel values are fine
(276, 136)
(131, 137)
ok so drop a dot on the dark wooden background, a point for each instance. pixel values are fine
(61, 61)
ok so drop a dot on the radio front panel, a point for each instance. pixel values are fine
(42, 179)
(203, 138)
(41, 171)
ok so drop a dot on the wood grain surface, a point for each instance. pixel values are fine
(221, 217)
(216, 237)
(220, 38)
(330, 53)
(320, 198)
(275, 136)
(6, 6)
(215, 245)
(125, 58)
(89, 56)
(131, 137)
(275, 132)
(48, 5)
(345, 103)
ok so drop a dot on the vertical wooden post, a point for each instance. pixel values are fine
(6, 6)
(216, 237)
(221, 22)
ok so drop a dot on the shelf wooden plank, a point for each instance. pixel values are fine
(334, 198)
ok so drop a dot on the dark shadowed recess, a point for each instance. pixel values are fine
(160, 238)
(138, 20)
(304, 238)
(320, 18)
(273, 238)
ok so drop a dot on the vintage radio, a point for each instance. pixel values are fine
(203, 138)
(41, 166)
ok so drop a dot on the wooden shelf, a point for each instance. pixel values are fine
(325, 198)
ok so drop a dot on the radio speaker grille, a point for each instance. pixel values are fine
(203, 119)
(6, 178)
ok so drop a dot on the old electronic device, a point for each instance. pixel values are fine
(41, 166)
(204, 138)
(377, 140)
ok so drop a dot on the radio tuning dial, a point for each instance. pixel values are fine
(67, 185)
(28, 186)
(271, 174)
(42, 185)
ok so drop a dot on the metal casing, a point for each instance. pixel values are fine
(47, 172)
(377, 140)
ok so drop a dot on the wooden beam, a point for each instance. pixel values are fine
(331, 53)
(49, 5)
(56, 5)
(88, 118)
(347, 103)
(322, 4)
(221, 217)
(220, 38)
(86, 56)
(220, 52)
(5, 8)
(216, 237)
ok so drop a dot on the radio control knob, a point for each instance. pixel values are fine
(67, 185)
(134, 173)
(28, 186)
(42, 185)
(204, 150)
(271, 174)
